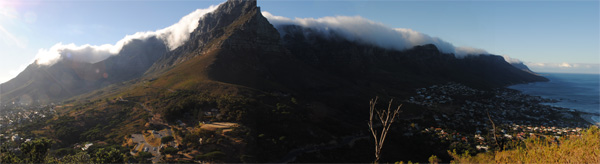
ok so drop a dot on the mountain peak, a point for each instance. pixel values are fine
(242, 6)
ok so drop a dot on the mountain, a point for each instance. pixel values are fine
(236, 61)
(422, 64)
(284, 89)
(522, 66)
(67, 78)
(315, 61)
(304, 63)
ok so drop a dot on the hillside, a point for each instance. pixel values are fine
(284, 94)
(43, 84)
(572, 149)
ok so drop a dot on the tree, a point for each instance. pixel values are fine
(144, 157)
(493, 129)
(386, 118)
(106, 155)
(169, 150)
(166, 139)
(7, 156)
(80, 157)
(215, 155)
(35, 151)
(434, 159)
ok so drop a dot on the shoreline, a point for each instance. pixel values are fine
(588, 117)
(592, 118)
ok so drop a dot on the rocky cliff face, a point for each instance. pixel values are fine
(210, 27)
(423, 65)
(523, 67)
(236, 45)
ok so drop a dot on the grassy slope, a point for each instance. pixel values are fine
(574, 149)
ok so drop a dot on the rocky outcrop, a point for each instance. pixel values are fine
(211, 27)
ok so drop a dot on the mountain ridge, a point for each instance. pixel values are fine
(210, 27)
(68, 77)
(284, 92)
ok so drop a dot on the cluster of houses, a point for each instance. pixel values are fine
(513, 132)
(543, 130)
(12, 116)
(472, 107)
(435, 95)
(516, 115)
(142, 145)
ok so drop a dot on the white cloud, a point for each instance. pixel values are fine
(511, 60)
(86, 53)
(173, 36)
(537, 64)
(565, 67)
(359, 29)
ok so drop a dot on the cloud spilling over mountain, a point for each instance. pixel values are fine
(362, 30)
(510, 60)
(173, 36)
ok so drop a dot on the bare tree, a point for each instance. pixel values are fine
(493, 128)
(386, 118)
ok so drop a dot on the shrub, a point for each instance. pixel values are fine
(215, 155)
(574, 149)
(166, 139)
(108, 155)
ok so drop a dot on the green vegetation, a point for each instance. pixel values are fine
(108, 155)
(38, 151)
(65, 129)
(143, 157)
(169, 150)
(215, 155)
(434, 159)
(193, 105)
(166, 139)
(35, 151)
(90, 121)
(31, 152)
(80, 157)
(573, 149)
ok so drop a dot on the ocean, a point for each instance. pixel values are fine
(575, 91)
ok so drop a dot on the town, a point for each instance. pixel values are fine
(470, 116)
(15, 115)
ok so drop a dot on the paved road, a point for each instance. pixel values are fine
(137, 138)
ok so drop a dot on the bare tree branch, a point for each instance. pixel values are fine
(493, 128)
(386, 118)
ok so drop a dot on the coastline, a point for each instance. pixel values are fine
(583, 105)
(588, 117)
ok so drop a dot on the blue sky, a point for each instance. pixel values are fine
(549, 36)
